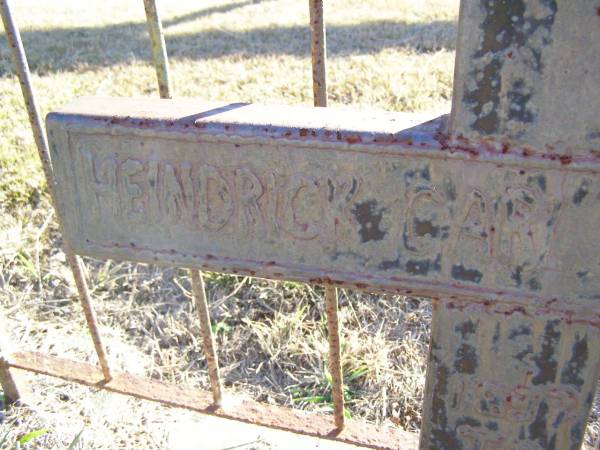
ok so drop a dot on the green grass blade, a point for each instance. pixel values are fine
(32, 435)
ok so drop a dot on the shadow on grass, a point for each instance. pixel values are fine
(221, 9)
(65, 49)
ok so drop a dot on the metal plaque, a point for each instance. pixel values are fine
(359, 200)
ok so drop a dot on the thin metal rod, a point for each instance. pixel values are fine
(318, 52)
(88, 310)
(319, 71)
(18, 52)
(159, 49)
(207, 335)
(335, 355)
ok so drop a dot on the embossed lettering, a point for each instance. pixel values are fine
(171, 194)
(337, 197)
(464, 236)
(300, 212)
(131, 190)
(427, 223)
(249, 190)
(103, 183)
(213, 198)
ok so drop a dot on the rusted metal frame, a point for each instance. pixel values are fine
(287, 419)
(161, 63)
(159, 49)
(318, 52)
(335, 357)
(500, 235)
(20, 61)
(208, 339)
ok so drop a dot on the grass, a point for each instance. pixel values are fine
(383, 54)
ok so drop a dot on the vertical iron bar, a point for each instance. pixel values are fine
(207, 335)
(159, 49)
(13, 385)
(319, 71)
(88, 309)
(161, 63)
(14, 41)
(335, 364)
(318, 52)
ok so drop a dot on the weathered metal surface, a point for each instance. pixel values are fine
(527, 72)
(313, 424)
(325, 197)
(161, 63)
(318, 50)
(159, 49)
(522, 375)
(20, 60)
(509, 378)
(335, 355)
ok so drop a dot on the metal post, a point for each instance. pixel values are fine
(159, 49)
(161, 63)
(335, 364)
(14, 40)
(318, 52)
(88, 310)
(516, 374)
(13, 386)
(207, 335)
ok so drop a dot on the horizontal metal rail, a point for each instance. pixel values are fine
(312, 424)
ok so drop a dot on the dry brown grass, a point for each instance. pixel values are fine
(386, 54)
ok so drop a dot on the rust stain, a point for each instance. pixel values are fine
(318, 425)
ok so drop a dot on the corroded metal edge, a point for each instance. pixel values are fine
(312, 424)
(508, 300)
(372, 132)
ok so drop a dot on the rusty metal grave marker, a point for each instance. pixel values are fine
(492, 212)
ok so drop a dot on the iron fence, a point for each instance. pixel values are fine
(490, 212)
